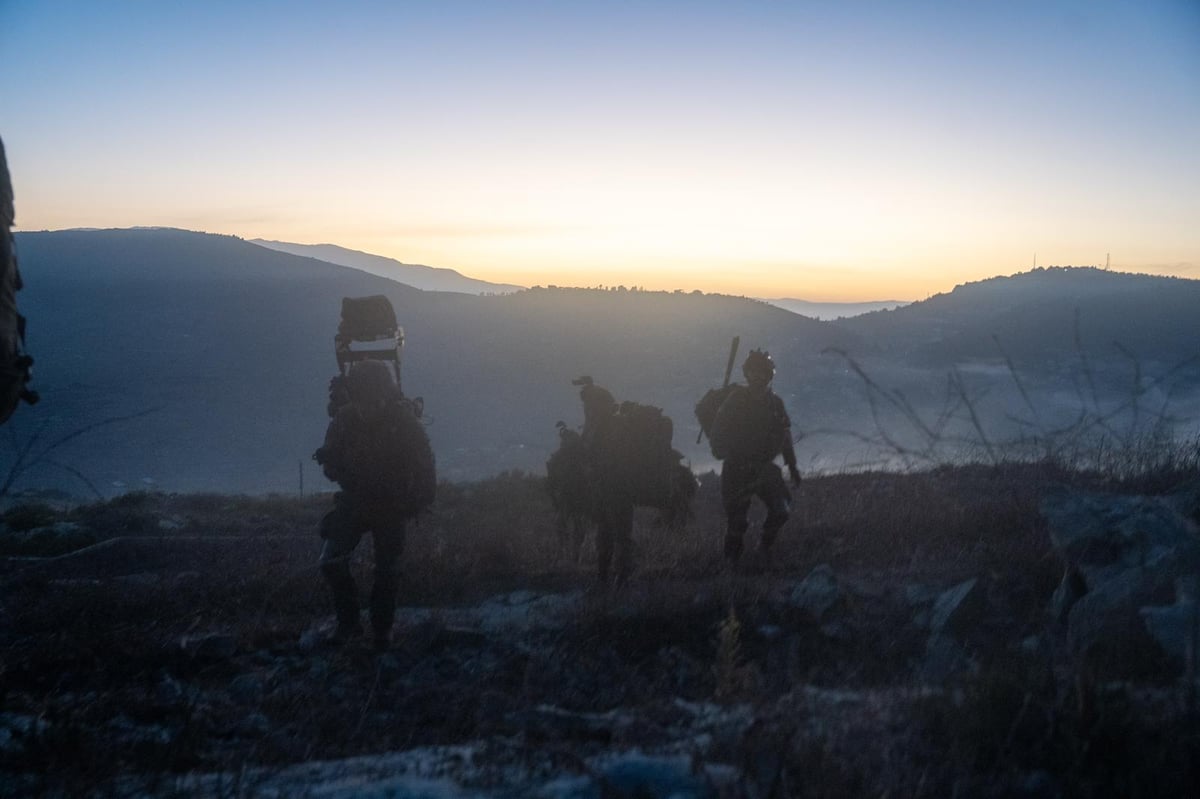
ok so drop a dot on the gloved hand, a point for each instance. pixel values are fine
(794, 473)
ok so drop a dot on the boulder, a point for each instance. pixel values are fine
(209, 646)
(1174, 628)
(957, 610)
(1124, 555)
(816, 593)
(1103, 535)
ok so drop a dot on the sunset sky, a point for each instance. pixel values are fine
(823, 150)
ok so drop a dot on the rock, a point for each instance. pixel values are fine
(209, 646)
(816, 593)
(1175, 628)
(246, 689)
(54, 539)
(1125, 555)
(547, 723)
(770, 632)
(1069, 591)
(838, 631)
(311, 639)
(139, 580)
(169, 692)
(183, 579)
(17, 728)
(633, 774)
(958, 609)
(1106, 623)
(1033, 645)
(943, 657)
(254, 725)
(1172, 627)
(919, 594)
(1103, 535)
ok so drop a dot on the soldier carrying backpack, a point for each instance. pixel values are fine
(622, 459)
(377, 450)
(15, 363)
(750, 429)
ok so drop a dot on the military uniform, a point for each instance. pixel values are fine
(751, 429)
(368, 450)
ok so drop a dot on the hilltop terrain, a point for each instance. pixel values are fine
(1013, 627)
(904, 638)
(1045, 318)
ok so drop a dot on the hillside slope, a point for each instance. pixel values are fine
(1044, 316)
(230, 345)
(428, 278)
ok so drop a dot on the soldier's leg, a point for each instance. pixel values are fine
(773, 491)
(623, 541)
(341, 532)
(389, 543)
(735, 496)
(604, 545)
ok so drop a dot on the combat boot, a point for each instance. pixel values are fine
(346, 632)
(381, 639)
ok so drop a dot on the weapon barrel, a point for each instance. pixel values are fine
(733, 348)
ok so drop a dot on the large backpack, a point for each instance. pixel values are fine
(367, 318)
(385, 458)
(749, 426)
(636, 448)
(709, 404)
(15, 363)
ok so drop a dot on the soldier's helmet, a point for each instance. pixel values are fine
(371, 383)
(759, 367)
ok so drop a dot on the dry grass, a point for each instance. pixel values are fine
(103, 647)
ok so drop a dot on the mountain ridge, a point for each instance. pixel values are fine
(828, 311)
(234, 342)
(427, 278)
(227, 347)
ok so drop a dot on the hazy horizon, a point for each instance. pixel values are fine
(822, 309)
(831, 153)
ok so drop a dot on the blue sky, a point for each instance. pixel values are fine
(853, 150)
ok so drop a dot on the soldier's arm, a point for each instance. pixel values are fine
(785, 445)
(329, 455)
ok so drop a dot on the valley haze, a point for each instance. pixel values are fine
(224, 350)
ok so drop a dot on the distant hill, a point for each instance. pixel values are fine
(833, 310)
(232, 344)
(228, 347)
(428, 278)
(1043, 317)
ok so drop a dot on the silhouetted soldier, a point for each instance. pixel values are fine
(623, 459)
(599, 410)
(751, 429)
(377, 450)
(15, 363)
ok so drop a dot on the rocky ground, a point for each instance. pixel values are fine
(913, 635)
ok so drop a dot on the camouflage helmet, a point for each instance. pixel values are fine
(759, 363)
(370, 382)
